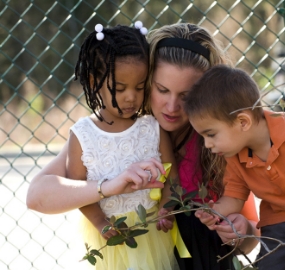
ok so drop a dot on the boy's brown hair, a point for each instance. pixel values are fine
(221, 91)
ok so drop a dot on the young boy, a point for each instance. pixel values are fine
(219, 107)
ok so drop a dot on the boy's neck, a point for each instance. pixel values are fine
(259, 139)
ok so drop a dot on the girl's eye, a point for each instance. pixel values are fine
(140, 88)
(211, 135)
(120, 90)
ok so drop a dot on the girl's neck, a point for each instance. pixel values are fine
(118, 125)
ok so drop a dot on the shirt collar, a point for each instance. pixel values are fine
(276, 125)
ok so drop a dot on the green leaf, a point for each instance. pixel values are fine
(203, 192)
(95, 252)
(179, 190)
(135, 233)
(141, 213)
(112, 219)
(190, 195)
(131, 242)
(106, 228)
(187, 208)
(174, 199)
(170, 204)
(92, 260)
(119, 221)
(236, 263)
(150, 214)
(116, 240)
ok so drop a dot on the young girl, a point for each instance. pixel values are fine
(113, 69)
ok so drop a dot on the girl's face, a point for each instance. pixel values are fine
(169, 86)
(130, 76)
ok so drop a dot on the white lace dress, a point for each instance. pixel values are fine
(105, 155)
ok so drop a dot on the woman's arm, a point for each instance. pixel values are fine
(50, 192)
(167, 156)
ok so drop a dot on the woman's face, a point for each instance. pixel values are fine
(169, 85)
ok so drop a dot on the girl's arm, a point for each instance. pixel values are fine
(50, 192)
(167, 156)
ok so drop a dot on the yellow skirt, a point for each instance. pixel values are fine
(154, 250)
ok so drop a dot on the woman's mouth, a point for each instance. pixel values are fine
(170, 118)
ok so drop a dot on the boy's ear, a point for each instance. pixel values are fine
(245, 120)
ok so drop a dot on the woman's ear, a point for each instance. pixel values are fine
(245, 120)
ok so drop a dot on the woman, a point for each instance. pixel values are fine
(173, 70)
(179, 55)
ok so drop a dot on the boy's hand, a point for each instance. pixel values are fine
(225, 231)
(166, 223)
(210, 220)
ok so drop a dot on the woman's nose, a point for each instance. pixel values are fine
(173, 105)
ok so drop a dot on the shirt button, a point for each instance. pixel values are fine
(268, 168)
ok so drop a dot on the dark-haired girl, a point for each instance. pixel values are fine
(113, 68)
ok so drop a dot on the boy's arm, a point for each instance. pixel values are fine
(167, 156)
(76, 170)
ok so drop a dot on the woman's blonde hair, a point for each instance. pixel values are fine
(212, 166)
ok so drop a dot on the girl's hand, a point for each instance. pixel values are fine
(107, 234)
(166, 223)
(225, 231)
(139, 175)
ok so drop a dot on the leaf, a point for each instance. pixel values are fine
(281, 11)
(141, 213)
(179, 190)
(106, 228)
(170, 204)
(150, 214)
(190, 195)
(135, 233)
(112, 219)
(92, 260)
(236, 263)
(187, 208)
(119, 221)
(174, 199)
(203, 192)
(95, 252)
(116, 240)
(131, 242)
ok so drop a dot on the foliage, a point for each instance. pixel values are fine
(179, 197)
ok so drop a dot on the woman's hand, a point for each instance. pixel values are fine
(166, 223)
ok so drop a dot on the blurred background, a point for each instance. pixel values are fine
(39, 99)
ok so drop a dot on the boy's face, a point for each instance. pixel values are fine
(222, 138)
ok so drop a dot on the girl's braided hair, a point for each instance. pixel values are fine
(97, 59)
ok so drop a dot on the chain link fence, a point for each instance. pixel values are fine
(39, 99)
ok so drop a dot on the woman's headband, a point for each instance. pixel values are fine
(185, 44)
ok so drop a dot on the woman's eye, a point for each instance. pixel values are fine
(161, 90)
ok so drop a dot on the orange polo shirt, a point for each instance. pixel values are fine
(265, 179)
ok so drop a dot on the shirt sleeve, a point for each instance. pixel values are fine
(234, 184)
